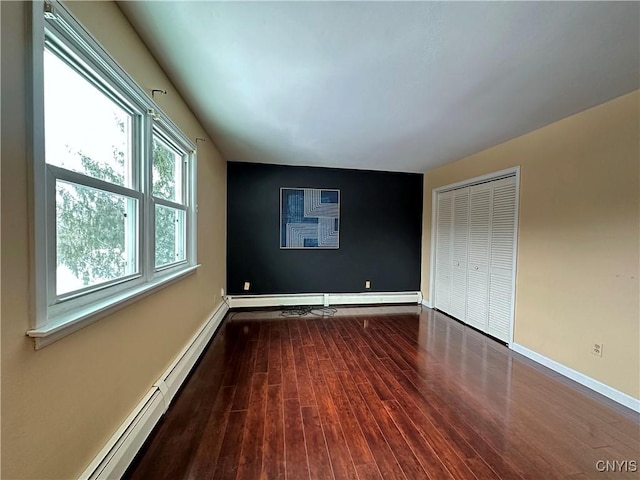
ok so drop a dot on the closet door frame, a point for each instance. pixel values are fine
(508, 172)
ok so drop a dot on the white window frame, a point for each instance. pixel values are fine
(56, 316)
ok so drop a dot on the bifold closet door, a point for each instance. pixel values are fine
(459, 257)
(475, 245)
(479, 249)
(502, 260)
(444, 218)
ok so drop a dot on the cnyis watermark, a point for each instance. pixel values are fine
(617, 465)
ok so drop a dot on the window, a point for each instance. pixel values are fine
(168, 195)
(114, 182)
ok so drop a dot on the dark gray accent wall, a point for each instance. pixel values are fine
(380, 231)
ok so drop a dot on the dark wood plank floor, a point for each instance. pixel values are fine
(389, 396)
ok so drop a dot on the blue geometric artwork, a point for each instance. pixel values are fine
(309, 218)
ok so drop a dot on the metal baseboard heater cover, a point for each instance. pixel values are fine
(324, 299)
(114, 459)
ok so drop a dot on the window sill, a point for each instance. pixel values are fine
(69, 323)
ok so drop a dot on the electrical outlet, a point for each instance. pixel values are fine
(596, 349)
(222, 292)
(367, 284)
(247, 286)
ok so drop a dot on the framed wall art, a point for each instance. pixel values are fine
(309, 218)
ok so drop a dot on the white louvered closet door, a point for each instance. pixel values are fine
(502, 261)
(475, 255)
(444, 217)
(479, 250)
(459, 254)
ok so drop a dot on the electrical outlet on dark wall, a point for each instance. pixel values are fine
(380, 231)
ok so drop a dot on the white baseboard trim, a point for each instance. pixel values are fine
(325, 299)
(595, 385)
(122, 447)
(426, 303)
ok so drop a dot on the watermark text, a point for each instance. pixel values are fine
(617, 465)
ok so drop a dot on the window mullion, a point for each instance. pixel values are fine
(135, 260)
(131, 237)
(184, 241)
(147, 235)
(191, 200)
(51, 227)
(185, 178)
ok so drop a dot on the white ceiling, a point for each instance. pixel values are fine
(387, 85)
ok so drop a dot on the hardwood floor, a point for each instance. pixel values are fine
(394, 396)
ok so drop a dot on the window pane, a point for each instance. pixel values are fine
(95, 236)
(170, 235)
(85, 131)
(167, 171)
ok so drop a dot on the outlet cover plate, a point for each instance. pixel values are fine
(596, 349)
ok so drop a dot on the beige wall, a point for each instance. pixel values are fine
(579, 238)
(62, 403)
